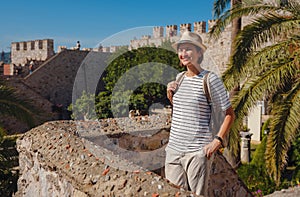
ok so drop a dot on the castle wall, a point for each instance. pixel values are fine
(22, 52)
(156, 41)
(200, 27)
(217, 53)
(54, 79)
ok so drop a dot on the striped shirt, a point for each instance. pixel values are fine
(191, 112)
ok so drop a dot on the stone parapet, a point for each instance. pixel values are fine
(55, 161)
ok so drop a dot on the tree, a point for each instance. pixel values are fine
(82, 109)
(134, 80)
(267, 59)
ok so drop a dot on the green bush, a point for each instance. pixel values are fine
(258, 157)
(255, 175)
(256, 179)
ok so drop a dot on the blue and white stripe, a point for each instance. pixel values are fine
(191, 112)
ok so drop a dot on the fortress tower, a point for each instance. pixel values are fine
(158, 32)
(200, 27)
(40, 50)
(171, 30)
(185, 27)
(211, 23)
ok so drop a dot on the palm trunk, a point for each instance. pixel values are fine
(235, 29)
(234, 160)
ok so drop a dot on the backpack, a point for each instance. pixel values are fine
(217, 115)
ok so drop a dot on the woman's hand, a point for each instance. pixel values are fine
(171, 87)
(212, 147)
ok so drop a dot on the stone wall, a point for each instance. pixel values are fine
(54, 80)
(55, 161)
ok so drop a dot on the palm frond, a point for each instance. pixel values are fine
(269, 82)
(12, 105)
(259, 34)
(262, 60)
(254, 89)
(246, 8)
(250, 8)
(219, 7)
(284, 129)
(258, 63)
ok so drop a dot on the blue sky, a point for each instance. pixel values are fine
(92, 21)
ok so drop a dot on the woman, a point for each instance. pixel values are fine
(191, 143)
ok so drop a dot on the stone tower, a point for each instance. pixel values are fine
(158, 32)
(200, 27)
(171, 30)
(22, 52)
(185, 27)
(211, 23)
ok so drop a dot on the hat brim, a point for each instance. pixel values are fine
(202, 46)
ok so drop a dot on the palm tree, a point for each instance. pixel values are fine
(267, 59)
(11, 105)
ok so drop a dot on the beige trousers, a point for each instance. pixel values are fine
(188, 170)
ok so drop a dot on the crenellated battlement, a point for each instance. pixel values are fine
(32, 45)
(219, 50)
(35, 49)
(145, 37)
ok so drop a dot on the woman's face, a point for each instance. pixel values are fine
(188, 52)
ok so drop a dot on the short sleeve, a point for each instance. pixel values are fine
(219, 95)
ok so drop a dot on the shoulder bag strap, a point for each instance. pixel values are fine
(206, 87)
(179, 80)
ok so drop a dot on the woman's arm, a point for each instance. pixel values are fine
(224, 129)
